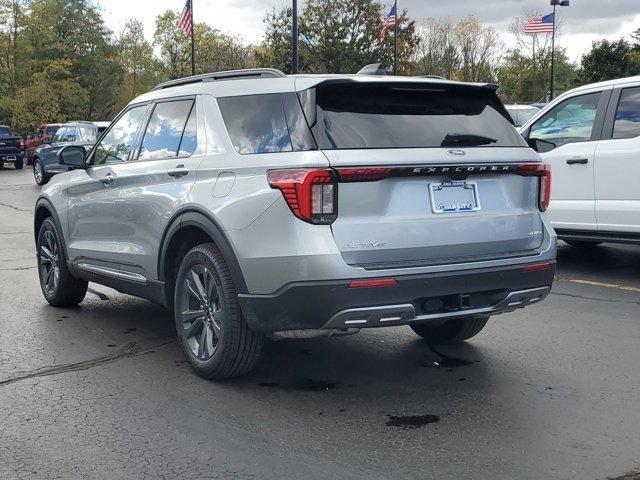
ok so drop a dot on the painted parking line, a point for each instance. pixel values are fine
(606, 285)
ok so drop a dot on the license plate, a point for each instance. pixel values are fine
(452, 197)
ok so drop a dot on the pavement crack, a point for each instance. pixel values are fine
(15, 208)
(17, 269)
(128, 351)
(584, 297)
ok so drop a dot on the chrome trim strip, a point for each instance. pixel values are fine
(113, 273)
(403, 314)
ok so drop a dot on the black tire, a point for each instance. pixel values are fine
(39, 175)
(58, 286)
(19, 164)
(206, 310)
(452, 331)
(582, 243)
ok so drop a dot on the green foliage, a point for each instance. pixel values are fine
(336, 37)
(609, 60)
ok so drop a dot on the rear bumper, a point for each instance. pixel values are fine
(415, 299)
(11, 157)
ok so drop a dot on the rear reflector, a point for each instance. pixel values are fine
(311, 194)
(367, 174)
(382, 282)
(537, 267)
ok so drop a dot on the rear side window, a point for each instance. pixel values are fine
(627, 123)
(406, 115)
(165, 130)
(5, 132)
(256, 123)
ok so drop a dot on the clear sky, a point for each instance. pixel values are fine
(583, 22)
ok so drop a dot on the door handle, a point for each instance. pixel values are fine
(577, 161)
(107, 180)
(179, 171)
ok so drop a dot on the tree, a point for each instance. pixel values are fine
(608, 60)
(479, 47)
(214, 50)
(437, 50)
(336, 37)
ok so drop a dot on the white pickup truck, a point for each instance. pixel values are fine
(591, 138)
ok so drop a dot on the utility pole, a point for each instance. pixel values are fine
(555, 3)
(295, 67)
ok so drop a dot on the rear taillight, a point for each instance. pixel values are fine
(367, 174)
(543, 171)
(312, 194)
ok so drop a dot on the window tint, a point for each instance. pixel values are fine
(164, 131)
(117, 143)
(406, 115)
(190, 136)
(52, 130)
(627, 124)
(256, 123)
(569, 122)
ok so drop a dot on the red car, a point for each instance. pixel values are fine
(44, 134)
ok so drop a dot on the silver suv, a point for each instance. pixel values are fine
(252, 203)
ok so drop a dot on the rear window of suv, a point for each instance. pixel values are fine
(406, 115)
(5, 132)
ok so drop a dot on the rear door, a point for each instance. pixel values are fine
(150, 187)
(566, 137)
(617, 164)
(425, 173)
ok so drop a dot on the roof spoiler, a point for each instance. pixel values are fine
(224, 75)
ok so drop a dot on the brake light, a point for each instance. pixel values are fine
(368, 174)
(537, 267)
(311, 194)
(542, 170)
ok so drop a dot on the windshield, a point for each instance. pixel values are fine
(411, 115)
(522, 115)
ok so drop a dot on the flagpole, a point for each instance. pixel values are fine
(553, 53)
(395, 41)
(193, 44)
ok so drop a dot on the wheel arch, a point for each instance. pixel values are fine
(43, 210)
(191, 227)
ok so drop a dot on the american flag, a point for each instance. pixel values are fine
(186, 19)
(539, 24)
(389, 22)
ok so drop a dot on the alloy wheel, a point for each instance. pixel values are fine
(49, 262)
(37, 171)
(201, 312)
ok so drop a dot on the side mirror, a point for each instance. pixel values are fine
(532, 142)
(72, 156)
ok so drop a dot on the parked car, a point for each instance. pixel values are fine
(521, 113)
(591, 137)
(10, 148)
(43, 135)
(303, 206)
(45, 158)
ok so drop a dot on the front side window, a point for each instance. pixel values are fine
(52, 130)
(569, 122)
(256, 123)
(118, 142)
(165, 130)
(627, 123)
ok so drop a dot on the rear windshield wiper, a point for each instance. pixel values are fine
(466, 140)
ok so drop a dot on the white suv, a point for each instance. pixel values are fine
(591, 138)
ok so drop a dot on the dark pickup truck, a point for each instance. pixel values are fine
(10, 148)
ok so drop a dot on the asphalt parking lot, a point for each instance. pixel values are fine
(103, 391)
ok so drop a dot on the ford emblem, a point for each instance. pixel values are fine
(457, 153)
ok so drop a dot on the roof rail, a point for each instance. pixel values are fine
(225, 75)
